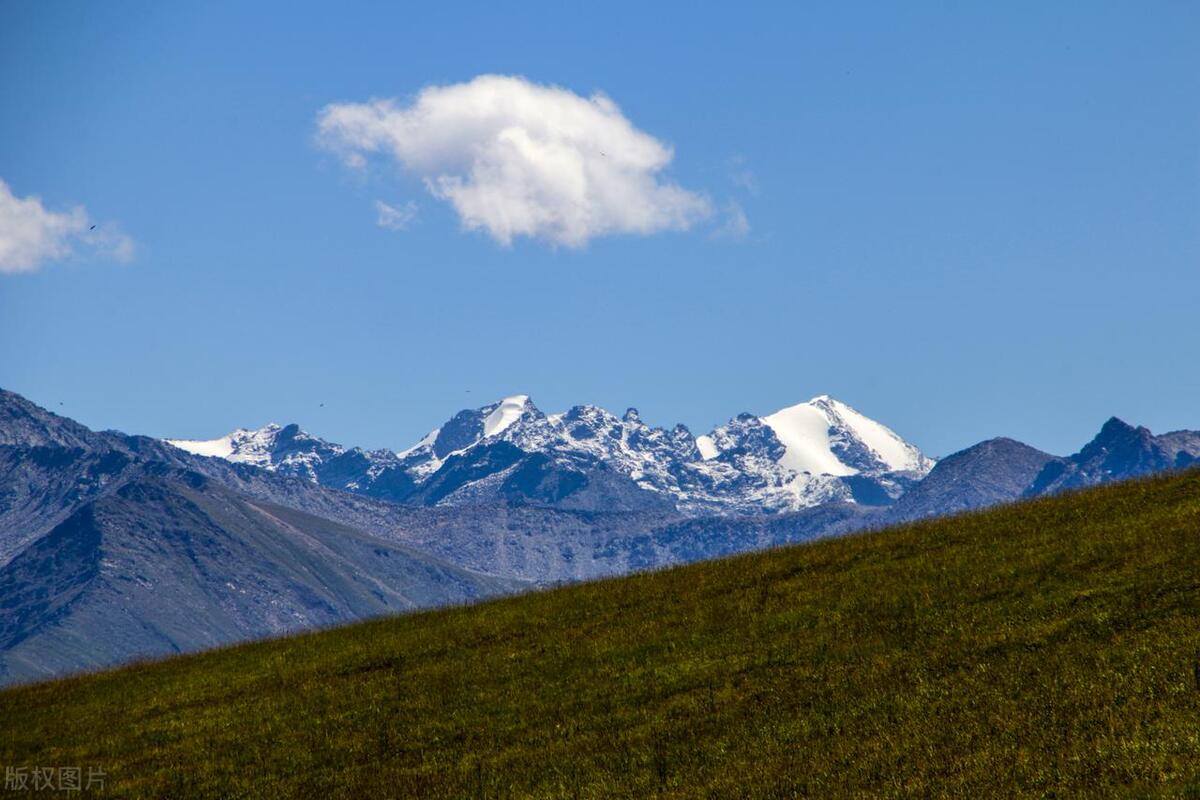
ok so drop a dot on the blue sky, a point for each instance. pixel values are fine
(965, 220)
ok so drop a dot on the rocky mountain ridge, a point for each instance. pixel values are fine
(812, 453)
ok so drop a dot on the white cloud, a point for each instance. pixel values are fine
(516, 158)
(31, 235)
(395, 218)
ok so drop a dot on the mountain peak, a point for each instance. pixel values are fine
(261, 447)
(1119, 450)
(825, 436)
(1118, 435)
(1115, 426)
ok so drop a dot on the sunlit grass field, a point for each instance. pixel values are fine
(1047, 649)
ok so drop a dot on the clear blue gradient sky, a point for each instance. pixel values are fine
(967, 220)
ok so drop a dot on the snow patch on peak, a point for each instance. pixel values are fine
(803, 430)
(242, 445)
(272, 447)
(506, 412)
(213, 448)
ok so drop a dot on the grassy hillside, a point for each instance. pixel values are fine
(1046, 649)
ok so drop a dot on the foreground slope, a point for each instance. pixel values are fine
(1042, 649)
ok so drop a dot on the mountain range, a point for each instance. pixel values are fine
(115, 546)
(588, 458)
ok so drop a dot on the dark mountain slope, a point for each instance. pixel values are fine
(1118, 452)
(996, 471)
(177, 563)
(41, 485)
(27, 424)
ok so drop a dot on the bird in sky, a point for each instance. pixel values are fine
(92, 228)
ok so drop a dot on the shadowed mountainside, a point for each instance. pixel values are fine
(176, 563)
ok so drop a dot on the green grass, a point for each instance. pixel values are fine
(1045, 649)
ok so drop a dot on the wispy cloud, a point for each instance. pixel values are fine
(742, 176)
(734, 224)
(515, 158)
(32, 235)
(395, 218)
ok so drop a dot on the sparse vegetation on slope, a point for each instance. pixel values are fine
(1045, 649)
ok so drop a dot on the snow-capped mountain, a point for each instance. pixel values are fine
(825, 436)
(808, 454)
(291, 451)
(800, 456)
(288, 450)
